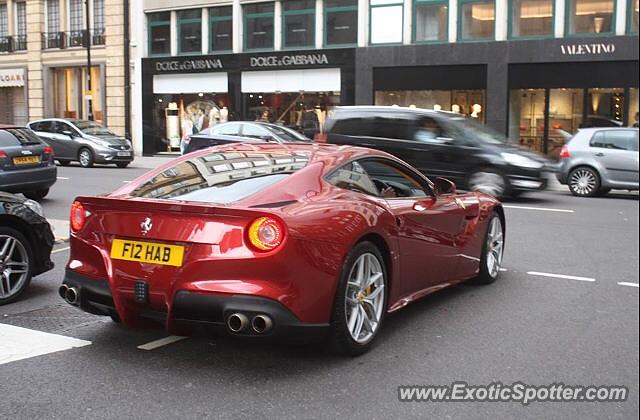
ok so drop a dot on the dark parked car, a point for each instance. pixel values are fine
(224, 133)
(25, 245)
(442, 144)
(26, 163)
(84, 141)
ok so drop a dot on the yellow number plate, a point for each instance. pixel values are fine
(26, 160)
(147, 252)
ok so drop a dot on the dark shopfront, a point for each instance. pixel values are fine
(183, 95)
(538, 92)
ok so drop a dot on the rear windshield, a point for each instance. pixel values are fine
(18, 137)
(221, 178)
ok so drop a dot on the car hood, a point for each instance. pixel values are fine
(115, 140)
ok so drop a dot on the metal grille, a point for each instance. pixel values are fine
(53, 16)
(56, 318)
(98, 14)
(75, 15)
(21, 17)
(4, 21)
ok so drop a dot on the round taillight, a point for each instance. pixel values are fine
(266, 234)
(77, 216)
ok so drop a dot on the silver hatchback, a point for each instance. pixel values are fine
(597, 160)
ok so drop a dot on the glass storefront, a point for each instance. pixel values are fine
(590, 16)
(530, 18)
(632, 116)
(476, 19)
(431, 20)
(68, 88)
(466, 102)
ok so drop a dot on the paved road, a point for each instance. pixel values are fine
(525, 327)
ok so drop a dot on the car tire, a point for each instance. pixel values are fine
(64, 162)
(36, 195)
(369, 303)
(492, 251)
(122, 165)
(85, 157)
(488, 181)
(20, 254)
(584, 181)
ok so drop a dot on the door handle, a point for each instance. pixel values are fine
(599, 154)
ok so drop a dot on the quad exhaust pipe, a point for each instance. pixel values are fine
(261, 324)
(70, 294)
(238, 323)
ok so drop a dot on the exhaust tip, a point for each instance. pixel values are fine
(62, 290)
(237, 322)
(261, 324)
(72, 295)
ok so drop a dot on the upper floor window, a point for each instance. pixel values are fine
(590, 16)
(298, 23)
(53, 16)
(386, 18)
(258, 26)
(430, 21)
(98, 14)
(476, 19)
(190, 31)
(4, 20)
(633, 16)
(221, 28)
(531, 18)
(76, 21)
(159, 33)
(21, 18)
(341, 22)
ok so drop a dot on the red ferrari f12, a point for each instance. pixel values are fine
(278, 241)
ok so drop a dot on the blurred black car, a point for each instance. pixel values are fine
(26, 163)
(257, 131)
(26, 241)
(442, 144)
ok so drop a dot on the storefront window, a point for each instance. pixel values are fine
(430, 20)
(221, 28)
(386, 18)
(531, 18)
(68, 87)
(590, 16)
(298, 23)
(476, 19)
(159, 33)
(606, 107)
(190, 31)
(258, 26)
(341, 22)
(633, 107)
(633, 15)
(465, 102)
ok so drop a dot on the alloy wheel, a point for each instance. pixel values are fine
(583, 182)
(491, 183)
(495, 246)
(14, 266)
(85, 158)
(364, 298)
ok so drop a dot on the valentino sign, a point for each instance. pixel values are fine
(11, 77)
(179, 65)
(584, 49)
(289, 60)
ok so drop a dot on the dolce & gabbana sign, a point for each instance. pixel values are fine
(289, 60)
(586, 49)
(186, 65)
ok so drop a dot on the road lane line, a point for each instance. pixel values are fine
(161, 342)
(126, 182)
(55, 251)
(538, 209)
(625, 283)
(560, 276)
(62, 177)
(17, 343)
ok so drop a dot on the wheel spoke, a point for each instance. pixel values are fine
(358, 327)
(366, 322)
(8, 248)
(352, 319)
(372, 280)
(375, 293)
(5, 287)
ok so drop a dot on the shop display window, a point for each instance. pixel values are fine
(190, 31)
(430, 20)
(341, 22)
(159, 33)
(68, 87)
(386, 18)
(632, 117)
(258, 26)
(476, 19)
(465, 102)
(531, 18)
(221, 28)
(298, 23)
(590, 16)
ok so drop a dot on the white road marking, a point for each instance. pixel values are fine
(538, 209)
(18, 343)
(60, 249)
(62, 177)
(560, 276)
(624, 283)
(162, 342)
(503, 269)
(126, 182)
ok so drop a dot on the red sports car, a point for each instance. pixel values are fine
(279, 241)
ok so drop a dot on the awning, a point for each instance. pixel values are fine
(190, 83)
(308, 80)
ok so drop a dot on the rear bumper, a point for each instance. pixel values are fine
(537, 182)
(28, 179)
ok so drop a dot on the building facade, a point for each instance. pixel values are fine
(43, 61)
(536, 70)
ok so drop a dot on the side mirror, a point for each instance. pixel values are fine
(68, 133)
(444, 186)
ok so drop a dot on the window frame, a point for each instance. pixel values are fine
(246, 16)
(628, 29)
(150, 25)
(510, 35)
(459, 37)
(414, 28)
(300, 12)
(336, 9)
(180, 22)
(216, 19)
(376, 6)
(567, 23)
(17, 17)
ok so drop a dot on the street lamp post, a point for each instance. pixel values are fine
(88, 93)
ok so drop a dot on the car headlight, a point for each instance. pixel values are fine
(35, 207)
(521, 161)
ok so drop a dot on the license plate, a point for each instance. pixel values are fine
(124, 153)
(147, 252)
(26, 160)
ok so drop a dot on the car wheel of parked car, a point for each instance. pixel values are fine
(15, 264)
(85, 156)
(488, 181)
(64, 162)
(492, 251)
(122, 165)
(360, 302)
(36, 195)
(584, 182)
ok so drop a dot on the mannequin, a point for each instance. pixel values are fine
(437, 107)
(224, 114)
(455, 108)
(476, 109)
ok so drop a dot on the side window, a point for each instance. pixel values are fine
(59, 127)
(391, 180)
(231, 129)
(356, 126)
(391, 127)
(615, 139)
(353, 177)
(429, 130)
(254, 131)
(44, 126)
